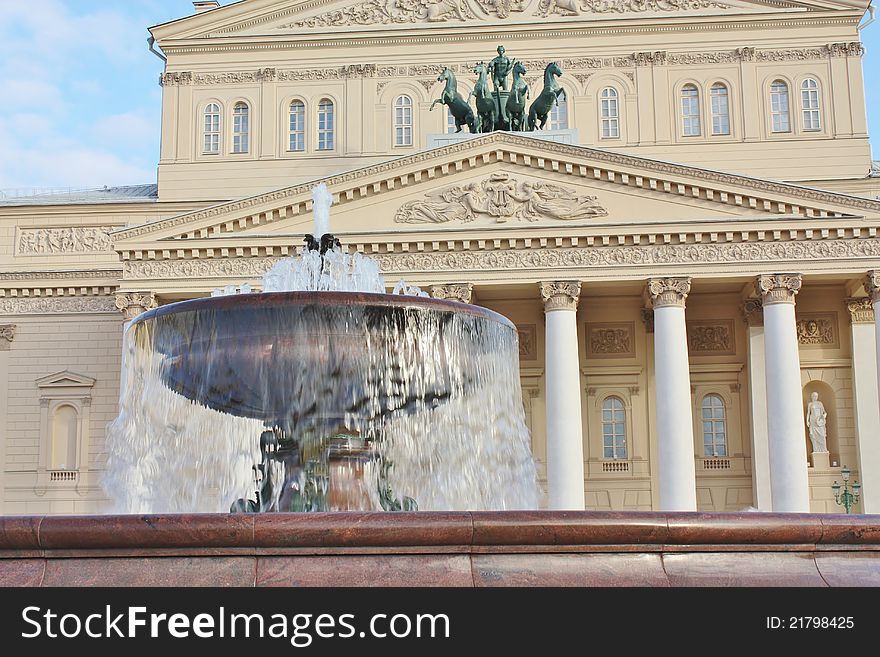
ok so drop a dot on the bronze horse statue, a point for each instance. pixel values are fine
(516, 102)
(457, 105)
(549, 96)
(487, 107)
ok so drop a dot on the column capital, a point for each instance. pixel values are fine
(669, 291)
(7, 335)
(778, 288)
(132, 304)
(462, 292)
(753, 312)
(872, 285)
(560, 295)
(861, 310)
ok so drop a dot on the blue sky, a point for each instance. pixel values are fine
(82, 96)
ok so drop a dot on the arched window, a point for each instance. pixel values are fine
(297, 126)
(403, 121)
(780, 119)
(810, 104)
(65, 426)
(714, 426)
(558, 117)
(609, 113)
(326, 125)
(613, 428)
(240, 128)
(690, 111)
(212, 128)
(720, 109)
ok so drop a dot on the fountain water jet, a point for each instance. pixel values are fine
(321, 393)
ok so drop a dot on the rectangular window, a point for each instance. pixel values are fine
(690, 112)
(720, 111)
(297, 127)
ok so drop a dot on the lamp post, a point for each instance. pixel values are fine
(846, 498)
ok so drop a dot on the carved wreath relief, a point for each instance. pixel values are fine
(711, 337)
(502, 198)
(610, 340)
(815, 330)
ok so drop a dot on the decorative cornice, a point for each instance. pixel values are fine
(861, 310)
(778, 288)
(56, 305)
(605, 165)
(7, 335)
(10, 276)
(753, 312)
(462, 292)
(475, 258)
(560, 295)
(132, 304)
(872, 285)
(667, 292)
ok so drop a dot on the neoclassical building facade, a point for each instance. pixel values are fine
(689, 253)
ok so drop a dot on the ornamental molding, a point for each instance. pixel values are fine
(778, 288)
(502, 147)
(861, 310)
(611, 340)
(872, 284)
(499, 198)
(7, 335)
(528, 341)
(568, 64)
(669, 292)
(753, 312)
(132, 304)
(72, 239)
(711, 337)
(817, 330)
(586, 258)
(57, 305)
(462, 292)
(560, 295)
(103, 274)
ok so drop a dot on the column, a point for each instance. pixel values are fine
(753, 314)
(864, 367)
(463, 292)
(872, 286)
(789, 487)
(565, 440)
(132, 304)
(7, 336)
(672, 385)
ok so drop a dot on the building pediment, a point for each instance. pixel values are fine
(497, 182)
(253, 18)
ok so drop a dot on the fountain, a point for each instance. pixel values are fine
(321, 393)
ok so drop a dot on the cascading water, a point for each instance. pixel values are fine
(321, 393)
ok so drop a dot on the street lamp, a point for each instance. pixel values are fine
(846, 498)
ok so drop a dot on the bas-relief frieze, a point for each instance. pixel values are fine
(693, 255)
(817, 330)
(500, 198)
(610, 340)
(711, 337)
(528, 341)
(57, 305)
(658, 58)
(74, 239)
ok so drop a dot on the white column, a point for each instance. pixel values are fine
(565, 441)
(789, 486)
(753, 313)
(863, 314)
(672, 383)
(872, 286)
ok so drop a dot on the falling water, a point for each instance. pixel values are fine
(321, 393)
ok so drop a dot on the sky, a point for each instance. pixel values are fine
(82, 103)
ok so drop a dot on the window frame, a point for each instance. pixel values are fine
(713, 114)
(618, 452)
(711, 430)
(205, 133)
(240, 132)
(814, 91)
(773, 113)
(321, 130)
(303, 131)
(403, 121)
(692, 112)
(612, 119)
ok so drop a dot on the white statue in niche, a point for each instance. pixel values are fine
(816, 422)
